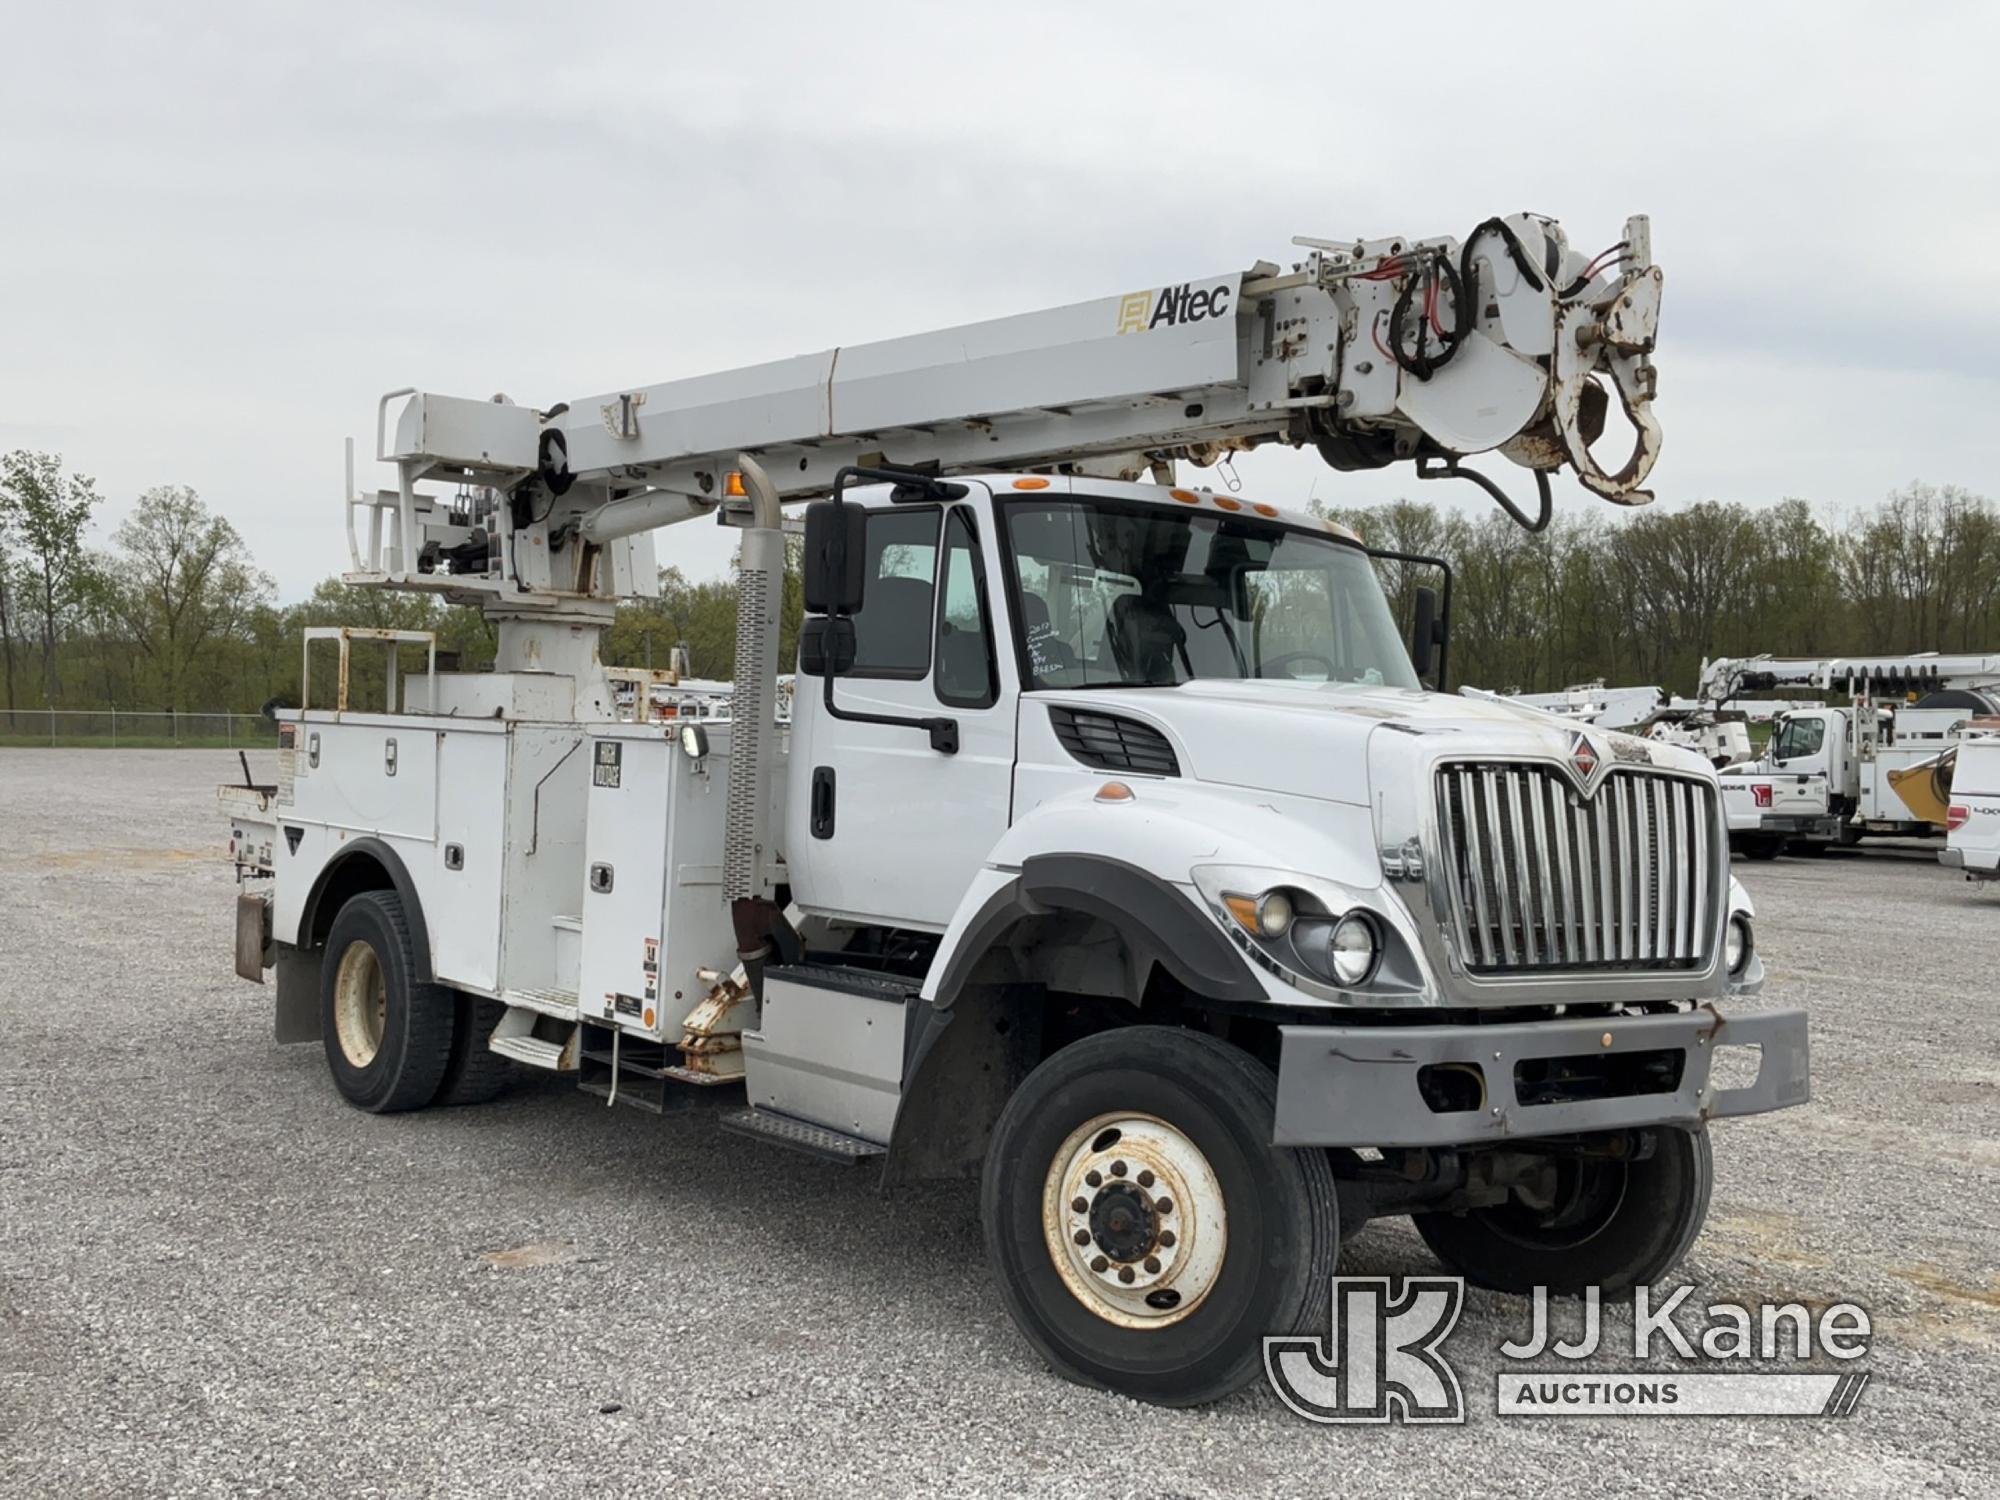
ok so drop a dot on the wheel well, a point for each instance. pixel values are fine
(364, 865)
(1044, 982)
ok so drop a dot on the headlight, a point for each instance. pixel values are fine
(1352, 951)
(1736, 945)
(1265, 916)
(1274, 914)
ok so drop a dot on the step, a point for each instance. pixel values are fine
(558, 1003)
(800, 1135)
(531, 1050)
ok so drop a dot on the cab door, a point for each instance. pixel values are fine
(881, 826)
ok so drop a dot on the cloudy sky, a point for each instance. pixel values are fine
(229, 226)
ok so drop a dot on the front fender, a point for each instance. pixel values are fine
(1136, 875)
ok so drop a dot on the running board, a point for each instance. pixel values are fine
(800, 1135)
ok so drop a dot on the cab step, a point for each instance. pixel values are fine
(556, 1003)
(535, 1038)
(531, 1050)
(801, 1135)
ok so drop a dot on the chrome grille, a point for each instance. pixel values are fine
(1540, 878)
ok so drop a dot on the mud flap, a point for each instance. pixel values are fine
(297, 1012)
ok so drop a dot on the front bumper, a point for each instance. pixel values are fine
(1358, 1085)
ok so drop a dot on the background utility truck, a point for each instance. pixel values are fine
(1880, 765)
(1113, 851)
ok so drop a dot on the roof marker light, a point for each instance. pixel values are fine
(1031, 484)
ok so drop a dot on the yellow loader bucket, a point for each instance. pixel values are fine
(1926, 787)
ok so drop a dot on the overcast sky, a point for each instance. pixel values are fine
(228, 227)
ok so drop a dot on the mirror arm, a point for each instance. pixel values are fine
(1442, 626)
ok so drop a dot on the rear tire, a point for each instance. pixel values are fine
(388, 1035)
(475, 1073)
(1614, 1225)
(1759, 846)
(1245, 1245)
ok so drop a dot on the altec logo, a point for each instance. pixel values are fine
(1173, 305)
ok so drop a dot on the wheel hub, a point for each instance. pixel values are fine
(1134, 1219)
(360, 1004)
(1122, 1222)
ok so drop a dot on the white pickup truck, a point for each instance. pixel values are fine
(1972, 842)
(1765, 808)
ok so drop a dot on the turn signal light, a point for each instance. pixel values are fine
(733, 485)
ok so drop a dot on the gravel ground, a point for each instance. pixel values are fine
(218, 1279)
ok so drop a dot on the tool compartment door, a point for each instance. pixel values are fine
(624, 874)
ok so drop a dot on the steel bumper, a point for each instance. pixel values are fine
(1357, 1085)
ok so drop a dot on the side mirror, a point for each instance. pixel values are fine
(1427, 634)
(836, 552)
(826, 645)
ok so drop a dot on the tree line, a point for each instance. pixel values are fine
(1642, 596)
(174, 613)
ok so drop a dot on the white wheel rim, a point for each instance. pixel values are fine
(360, 1004)
(1134, 1220)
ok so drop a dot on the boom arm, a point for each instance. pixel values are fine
(1922, 672)
(1373, 351)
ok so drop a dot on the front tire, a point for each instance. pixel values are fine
(388, 1035)
(1609, 1224)
(1143, 1231)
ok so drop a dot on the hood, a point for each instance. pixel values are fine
(1311, 739)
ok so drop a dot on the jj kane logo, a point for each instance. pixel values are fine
(1383, 1358)
(1170, 306)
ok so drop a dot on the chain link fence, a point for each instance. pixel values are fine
(135, 728)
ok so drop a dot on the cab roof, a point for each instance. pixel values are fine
(1166, 496)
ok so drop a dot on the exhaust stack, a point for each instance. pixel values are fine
(746, 851)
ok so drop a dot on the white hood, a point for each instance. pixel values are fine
(1312, 739)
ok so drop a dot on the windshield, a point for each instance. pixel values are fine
(1120, 595)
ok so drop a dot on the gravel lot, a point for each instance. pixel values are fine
(217, 1278)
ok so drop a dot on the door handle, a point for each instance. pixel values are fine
(822, 802)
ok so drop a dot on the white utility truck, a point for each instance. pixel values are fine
(1113, 851)
(1720, 732)
(1880, 765)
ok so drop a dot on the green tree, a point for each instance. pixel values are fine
(48, 511)
(183, 581)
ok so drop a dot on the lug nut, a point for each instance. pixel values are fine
(1081, 1205)
(1098, 1265)
(1164, 1206)
(1094, 1178)
(1082, 1236)
(1167, 1238)
(1152, 1265)
(1145, 1179)
(1118, 1169)
(1126, 1274)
